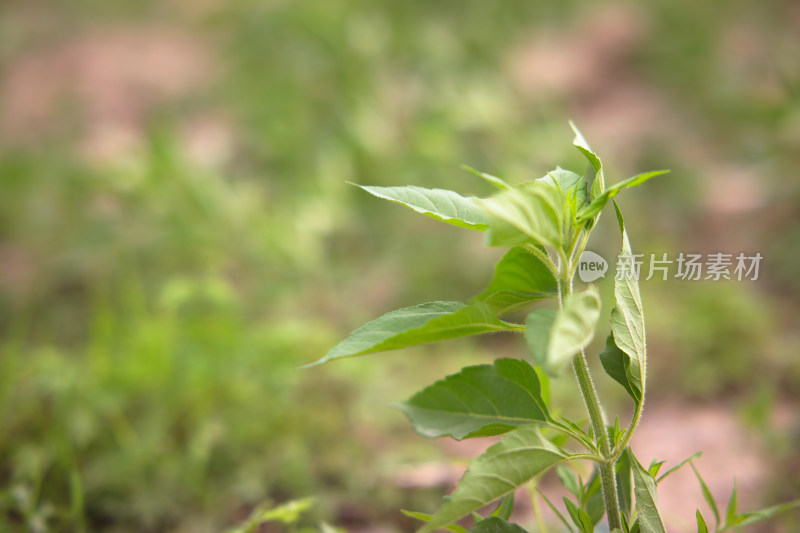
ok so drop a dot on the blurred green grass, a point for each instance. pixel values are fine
(171, 254)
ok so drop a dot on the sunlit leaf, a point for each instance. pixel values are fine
(441, 204)
(521, 455)
(701, 523)
(494, 180)
(425, 517)
(748, 519)
(707, 494)
(479, 401)
(530, 213)
(420, 324)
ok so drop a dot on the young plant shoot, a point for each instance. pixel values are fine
(545, 225)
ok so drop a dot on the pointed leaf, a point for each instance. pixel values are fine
(420, 324)
(494, 180)
(678, 467)
(571, 330)
(733, 504)
(519, 457)
(707, 494)
(594, 176)
(479, 401)
(446, 206)
(627, 319)
(597, 205)
(520, 279)
(748, 519)
(555, 511)
(701, 523)
(646, 500)
(494, 524)
(530, 213)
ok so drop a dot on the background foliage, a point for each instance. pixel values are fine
(176, 233)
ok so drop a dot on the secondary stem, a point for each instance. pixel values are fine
(590, 398)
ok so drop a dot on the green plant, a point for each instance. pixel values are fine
(546, 224)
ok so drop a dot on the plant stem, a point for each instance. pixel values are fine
(592, 401)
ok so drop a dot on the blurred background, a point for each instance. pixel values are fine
(177, 237)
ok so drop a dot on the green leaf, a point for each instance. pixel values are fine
(446, 206)
(579, 517)
(617, 364)
(597, 181)
(530, 213)
(424, 517)
(495, 524)
(572, 329)
(748, 519)
(479, 401)
(646, 500)
(701, 523)
(520, 279)
(420, 324)
(597, 205)
(706, 494)
(569, 480)
(733, 504)
(555, 510)
(592, 501)
(624, 483)
(520, 456)
(494, 180)
(627, 321)
(505, 507)
(678, 467)
(562, 179)
(538, 326)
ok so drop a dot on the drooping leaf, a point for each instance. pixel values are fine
(617, 364)
(520, 279)
(495, 524)
(627, 320)
(707, 494)
(425, 517)
(521, 455)
(494, 180)
(441, 204)
(644, 487)
(572, 329)
(420, 324)
(479, 401)
(569, 480)
(530, 213)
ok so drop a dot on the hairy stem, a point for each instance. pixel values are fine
(592, 401)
